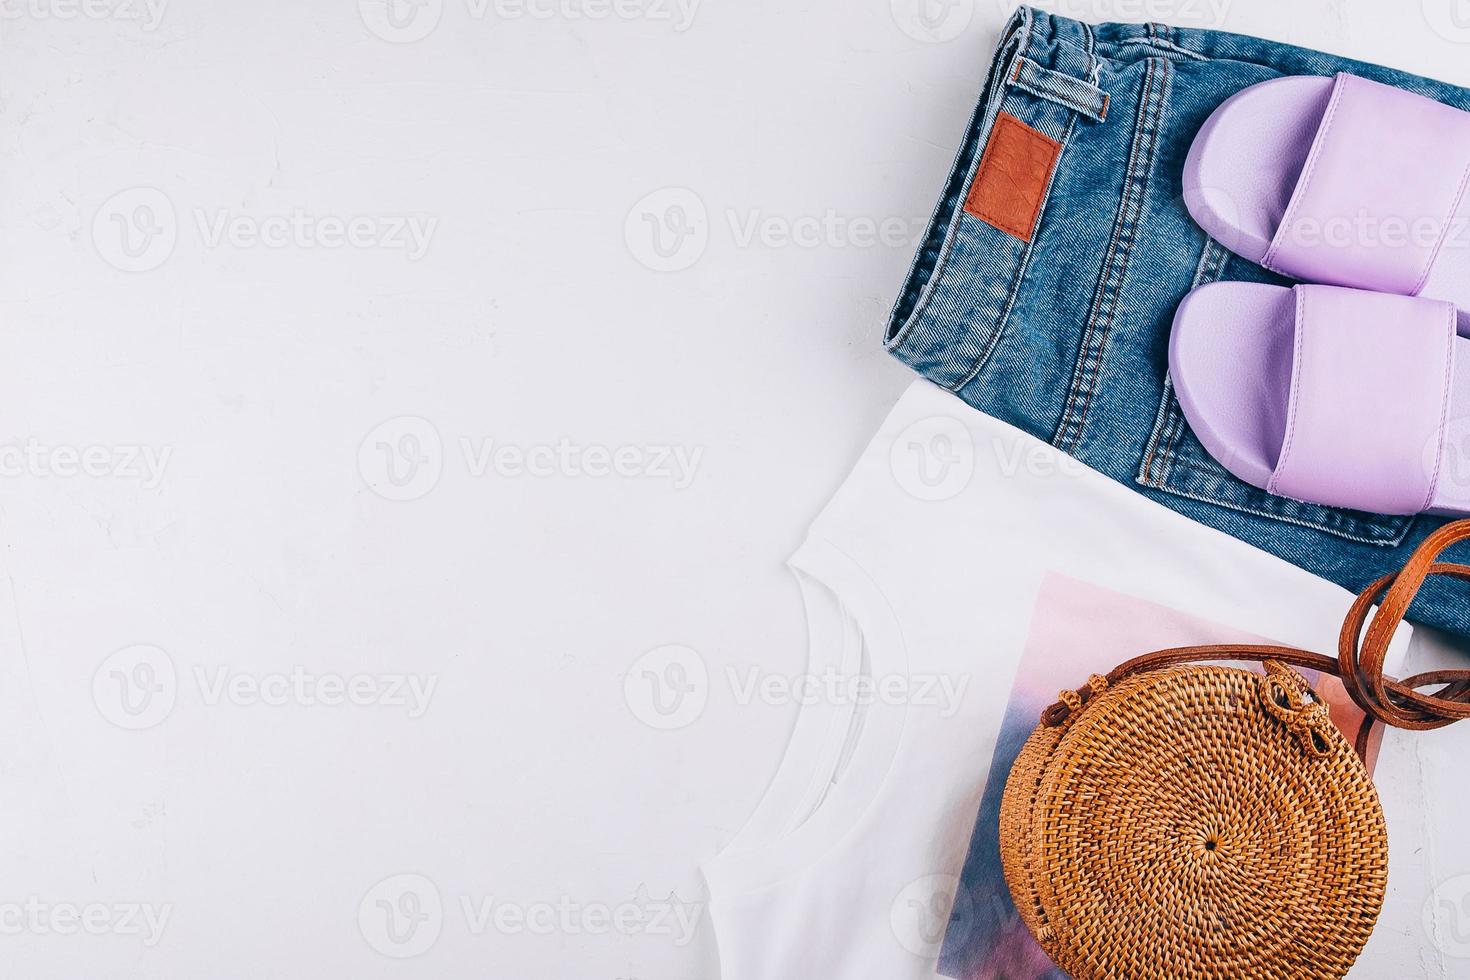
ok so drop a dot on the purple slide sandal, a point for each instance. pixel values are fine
(1339, 180)
(1329, 395)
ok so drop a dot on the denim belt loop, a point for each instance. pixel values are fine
(1065, 90)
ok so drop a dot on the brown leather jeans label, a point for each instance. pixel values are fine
(1014, 173)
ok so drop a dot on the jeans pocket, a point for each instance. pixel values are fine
(1175, 462)
(963, 283)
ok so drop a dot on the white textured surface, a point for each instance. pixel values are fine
(367, 243)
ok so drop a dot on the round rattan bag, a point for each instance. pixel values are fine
(1179, 819)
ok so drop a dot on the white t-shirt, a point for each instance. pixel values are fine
(964, 574)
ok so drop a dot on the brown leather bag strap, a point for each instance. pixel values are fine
(1361, 654)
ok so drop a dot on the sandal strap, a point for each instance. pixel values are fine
(1380, 191)
(1371, 380)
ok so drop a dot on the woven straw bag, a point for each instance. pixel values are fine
(1179, 820)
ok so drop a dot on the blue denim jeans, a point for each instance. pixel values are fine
(1066, 335)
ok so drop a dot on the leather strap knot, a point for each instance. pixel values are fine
(1289, 699)
(1069, 703)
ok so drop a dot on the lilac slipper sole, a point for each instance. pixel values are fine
(1328, 395)
(1340, 181)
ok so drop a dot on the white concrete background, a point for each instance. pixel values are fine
(281, 282)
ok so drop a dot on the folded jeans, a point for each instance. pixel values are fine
(1045, 287)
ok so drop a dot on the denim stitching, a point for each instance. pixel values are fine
(941, 258)
(1094, 67)
(983, 358)
(1089, 43)
(1091, 362)
(1212, 269)
(1025, 39)
(1115, 268)
(1166, 440)
(1081, 94)
(1169, 454)
(1163, 424)
(1216, 258)
(1166, 433)
(1166, 37)
(1334, 521)
(1176, 437)
(1390, 530)
(1066, 101)
(1168, 429)
(1061, 437)
(1165, 48)
(1391, 536)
